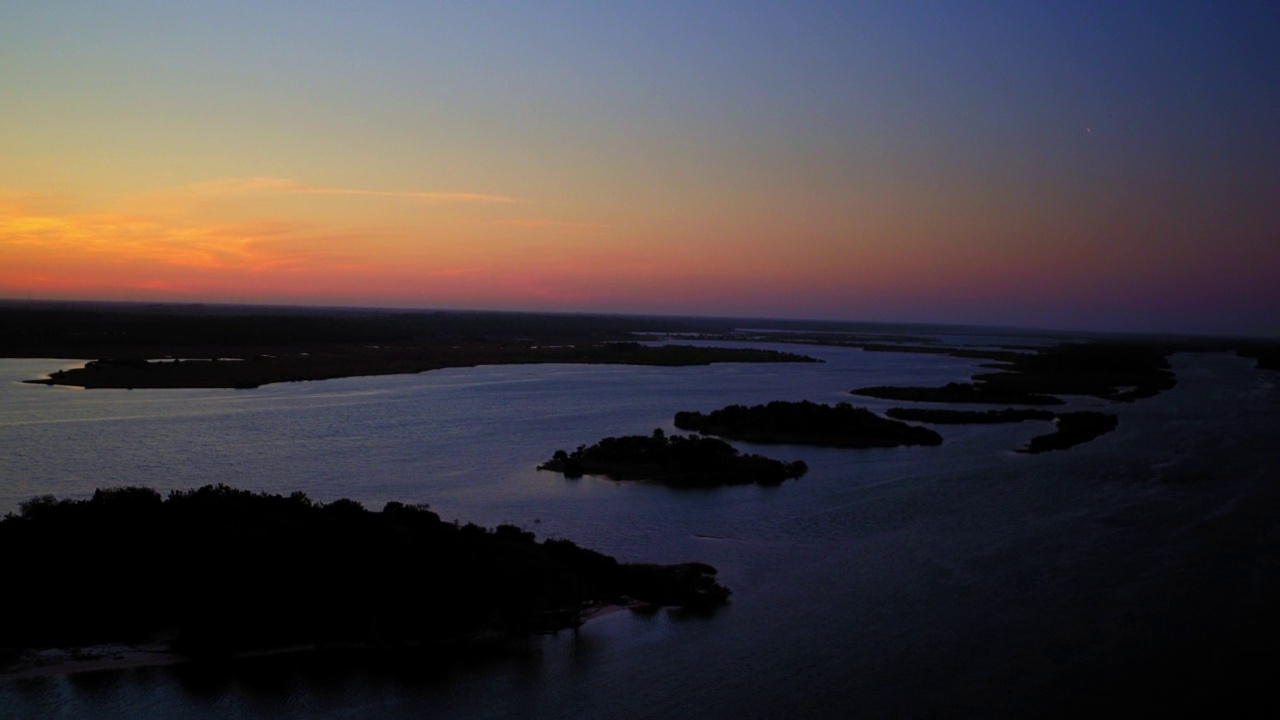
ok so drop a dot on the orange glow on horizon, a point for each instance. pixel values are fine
(266, 240)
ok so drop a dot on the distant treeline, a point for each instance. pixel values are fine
(218, 570)
(101, 330)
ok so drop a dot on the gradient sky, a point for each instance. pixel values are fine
(1088, 165)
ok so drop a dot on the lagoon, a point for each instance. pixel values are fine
(965, 578)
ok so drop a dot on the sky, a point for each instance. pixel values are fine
(1085, 165)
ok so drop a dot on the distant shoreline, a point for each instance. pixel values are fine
(236, 370)
(247, 347)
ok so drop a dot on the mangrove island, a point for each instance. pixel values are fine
(676, 460)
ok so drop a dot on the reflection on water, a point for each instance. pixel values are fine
(899, 581)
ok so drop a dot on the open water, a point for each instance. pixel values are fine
(960, 580)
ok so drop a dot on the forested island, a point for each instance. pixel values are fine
(675, 460)
(217, 571)
(806, 423)
(1073, 429)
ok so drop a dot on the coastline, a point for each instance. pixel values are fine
(229, 369)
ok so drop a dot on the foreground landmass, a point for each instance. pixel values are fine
(806, 423)
(218, 571)
(676, 460)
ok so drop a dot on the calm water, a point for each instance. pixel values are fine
(962, 579)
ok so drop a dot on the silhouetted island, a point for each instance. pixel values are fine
(963, 417)
(1073, 429)
(676, 460)
(807, 423)
(218, 571)
(959, 393)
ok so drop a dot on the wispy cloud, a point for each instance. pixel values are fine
(285, 186)
(559, 227)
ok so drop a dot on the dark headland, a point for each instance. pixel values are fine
(241, 572)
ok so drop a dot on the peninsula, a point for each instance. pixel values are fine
(675, 460)
(807, 423)
(242, 572)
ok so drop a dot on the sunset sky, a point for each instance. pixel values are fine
(1085, 165)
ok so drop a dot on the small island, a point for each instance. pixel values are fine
(940, 416)
(1073, 429)
(977, 393)
(218, 572)
(807, 423)
(675, 460)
